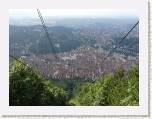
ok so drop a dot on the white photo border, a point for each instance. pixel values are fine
(140, 5)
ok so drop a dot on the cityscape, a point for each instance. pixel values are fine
(67, 60)
(82, 50)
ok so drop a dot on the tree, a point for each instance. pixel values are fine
(133, 88)
(92, 94)
(112, 89)
(27, 87)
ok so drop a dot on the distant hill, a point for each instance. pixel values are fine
(70, 34)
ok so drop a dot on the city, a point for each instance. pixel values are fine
(74, 61)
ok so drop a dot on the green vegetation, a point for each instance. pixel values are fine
(115, 89)
(27, 87)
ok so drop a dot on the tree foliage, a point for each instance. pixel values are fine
(29, 88)
(113, 89)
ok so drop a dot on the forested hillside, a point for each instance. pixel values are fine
(112, 89)
(28, 87)
(69, 34)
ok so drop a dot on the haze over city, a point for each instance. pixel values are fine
(23, 13)
(82, 56)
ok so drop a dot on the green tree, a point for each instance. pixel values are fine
(27, 87)
(112, 89)
(132, 97)
(93, 93)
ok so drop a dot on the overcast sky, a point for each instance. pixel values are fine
(24, 13)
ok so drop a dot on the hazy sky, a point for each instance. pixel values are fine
(23, 13)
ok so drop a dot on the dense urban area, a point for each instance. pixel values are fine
(81, 69)
(81, 49)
